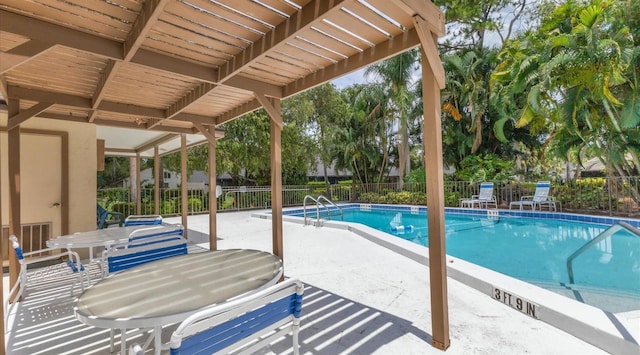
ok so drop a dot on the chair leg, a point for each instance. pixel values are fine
(112, 336)
(296, 344)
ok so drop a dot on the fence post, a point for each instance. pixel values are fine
(609, 192)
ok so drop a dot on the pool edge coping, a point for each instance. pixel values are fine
(588, 323)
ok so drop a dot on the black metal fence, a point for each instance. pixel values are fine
(602, 196)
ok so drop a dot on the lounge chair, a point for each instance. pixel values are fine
(485, 197)
(540, 198)
(107, 218)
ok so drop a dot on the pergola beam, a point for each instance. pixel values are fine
(84, 103)
(238, 111)
(48, 34)
(193, 96)
(16, 120)
(382, 51)
(151, 11)
(432, 14)
(430, 48)
(22, 54)
(98, 94)
(310, 14)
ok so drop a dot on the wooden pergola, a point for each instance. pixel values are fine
(189, 66)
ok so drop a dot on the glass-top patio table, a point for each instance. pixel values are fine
(106, 237)
(167, 291)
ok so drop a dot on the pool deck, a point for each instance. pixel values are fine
(361, 298)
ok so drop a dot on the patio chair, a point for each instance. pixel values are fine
(107, 218)
(143, 220)
(138, 252)
(143, 250)
(243, 325)
(157, 231)
(485, 197)
(540, 198)
(40, 256)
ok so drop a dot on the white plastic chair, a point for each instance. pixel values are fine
(38, 256)
(540, 198)
(485, 197)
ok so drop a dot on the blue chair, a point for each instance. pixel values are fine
(143, 250)
(143, 220)
(140, 252)
(107, 218)
(264, 316)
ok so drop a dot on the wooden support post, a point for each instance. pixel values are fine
(276, 173)
(138, 185)
(1, 262)
(210, 134)
(213, 199)
(183, 181)
(432, 138)
(156, 179)
(13, 151)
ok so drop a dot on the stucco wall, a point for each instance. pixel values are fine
(82, 172)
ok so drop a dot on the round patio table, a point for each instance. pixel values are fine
(167, 291)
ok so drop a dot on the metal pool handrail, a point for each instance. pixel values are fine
(319, 202)
(606, 234)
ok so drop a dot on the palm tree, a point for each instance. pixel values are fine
(397, 72)
(572, 76)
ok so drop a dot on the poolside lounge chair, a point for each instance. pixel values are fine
(540, 198)
(485, 197)
(107, 218)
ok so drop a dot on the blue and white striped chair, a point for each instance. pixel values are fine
(143, 220)
(142, 251)
(244, 325)
(137, 253)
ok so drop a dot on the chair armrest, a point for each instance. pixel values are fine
(475, 196)
(73, 256)
(526, 198)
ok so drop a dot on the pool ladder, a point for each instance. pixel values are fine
(604, 235)
(319, 203)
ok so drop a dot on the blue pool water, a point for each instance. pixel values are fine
(530, 249)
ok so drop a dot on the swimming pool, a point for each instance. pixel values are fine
(532, 247)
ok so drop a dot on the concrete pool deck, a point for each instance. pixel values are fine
(360, 298)
(367, 299)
